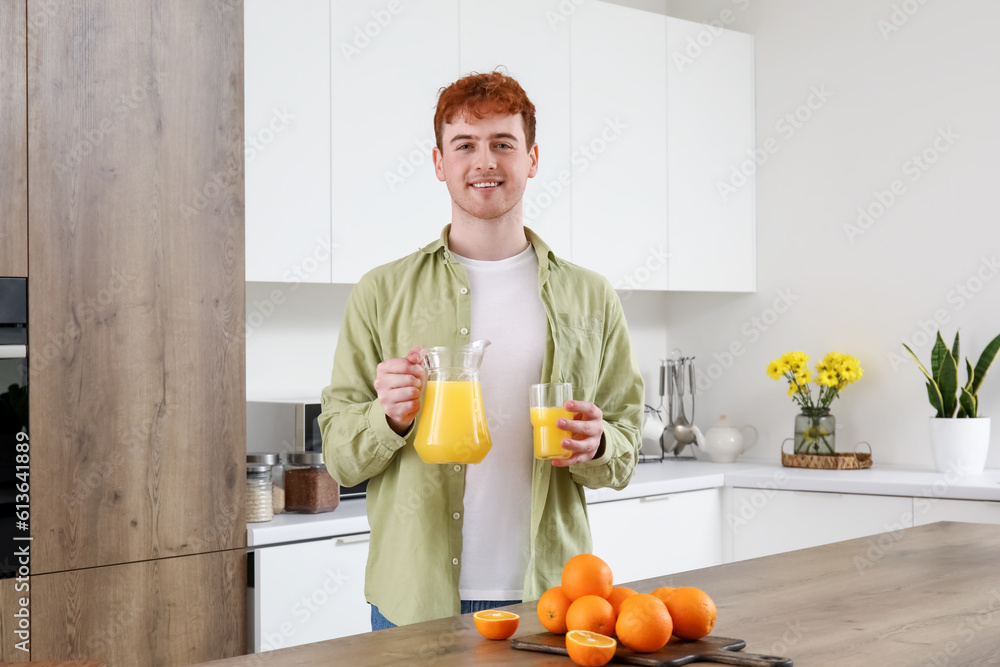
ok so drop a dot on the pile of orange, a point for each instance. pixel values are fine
(588, 608)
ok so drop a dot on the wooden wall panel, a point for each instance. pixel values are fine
(172, 611)
(11, 610)
(13, 140)
(135, 117)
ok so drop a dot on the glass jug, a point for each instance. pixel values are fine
(452, 424)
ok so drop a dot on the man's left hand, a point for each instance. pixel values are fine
(586, 427)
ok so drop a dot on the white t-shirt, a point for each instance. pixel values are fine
(507, 311)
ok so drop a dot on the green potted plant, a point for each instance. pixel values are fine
(960, 437)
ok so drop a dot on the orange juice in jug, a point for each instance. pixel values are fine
(452, 424)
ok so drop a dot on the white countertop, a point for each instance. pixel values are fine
(658, 477)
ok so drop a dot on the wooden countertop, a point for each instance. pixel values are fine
(928, 595)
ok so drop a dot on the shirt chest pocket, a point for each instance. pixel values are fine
(579, 346)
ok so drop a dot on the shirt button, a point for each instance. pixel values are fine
(454, 561)
(464, 290)
(446, 254)
(456, 516)
(458, 468)
(464, 331)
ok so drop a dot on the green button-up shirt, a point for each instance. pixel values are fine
(415, 509)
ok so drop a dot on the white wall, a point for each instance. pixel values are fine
(890, 97)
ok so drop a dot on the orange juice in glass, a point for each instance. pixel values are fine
(547, 405)
(452, 426)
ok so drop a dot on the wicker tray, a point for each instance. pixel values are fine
(839, 461)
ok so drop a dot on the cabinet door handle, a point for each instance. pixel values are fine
(654, 499)
(352, 539)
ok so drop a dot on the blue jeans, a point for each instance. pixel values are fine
(380, 622)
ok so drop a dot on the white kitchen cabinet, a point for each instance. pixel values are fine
(530, 39)
(619, 136)
(767, 521)
(287, 140)
(710, 135)
(929, 510)
(308, 592)
(387, 62)
(641, 538)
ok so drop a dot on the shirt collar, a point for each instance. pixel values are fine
(543, 251)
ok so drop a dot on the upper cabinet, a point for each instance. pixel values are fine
(14, 142)
(287, 140)
(639, 135)
(619, 128)
(710, 158)
(387, 60)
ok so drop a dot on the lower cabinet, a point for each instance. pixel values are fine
(767, 521)
(648, 537)
(929, 510)
(308, 592)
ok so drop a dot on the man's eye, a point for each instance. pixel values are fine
(504, 146)
(463, 147)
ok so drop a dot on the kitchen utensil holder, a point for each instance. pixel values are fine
(840, 461)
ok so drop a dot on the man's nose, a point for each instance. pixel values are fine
(485, 159)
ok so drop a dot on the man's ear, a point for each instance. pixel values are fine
(438, 163)
(533, 156)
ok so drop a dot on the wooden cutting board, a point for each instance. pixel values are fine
(709, 649)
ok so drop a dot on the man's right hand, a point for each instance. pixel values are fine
(398, 383)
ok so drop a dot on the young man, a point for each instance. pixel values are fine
(447, 539)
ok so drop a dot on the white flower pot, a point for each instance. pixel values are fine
(960, 444)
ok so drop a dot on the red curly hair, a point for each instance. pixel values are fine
(481, 95)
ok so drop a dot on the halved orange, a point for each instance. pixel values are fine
(496, 624)
(590, 648)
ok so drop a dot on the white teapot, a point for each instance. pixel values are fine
(724, 442)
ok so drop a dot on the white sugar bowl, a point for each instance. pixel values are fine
(724, 442)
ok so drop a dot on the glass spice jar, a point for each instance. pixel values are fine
(278, 486)
(309, 487)
(259, 507)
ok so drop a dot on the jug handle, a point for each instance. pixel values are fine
(752, 442)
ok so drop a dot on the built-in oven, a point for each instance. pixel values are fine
(15, 449)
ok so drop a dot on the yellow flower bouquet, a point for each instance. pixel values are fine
(815, 428)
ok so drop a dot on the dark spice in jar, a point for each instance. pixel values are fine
(310, 490)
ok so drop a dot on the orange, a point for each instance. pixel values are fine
(586, 574)
(643, 623)
(496, 624)
(552, 608)
(663, 593)
(589, 648)
(590, 612)
(618, 595)
(693, 612)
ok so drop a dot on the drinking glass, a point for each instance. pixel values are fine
(547, 405)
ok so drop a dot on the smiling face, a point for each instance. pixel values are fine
(486, 165)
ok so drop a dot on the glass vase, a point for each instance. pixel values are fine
(815, 432)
